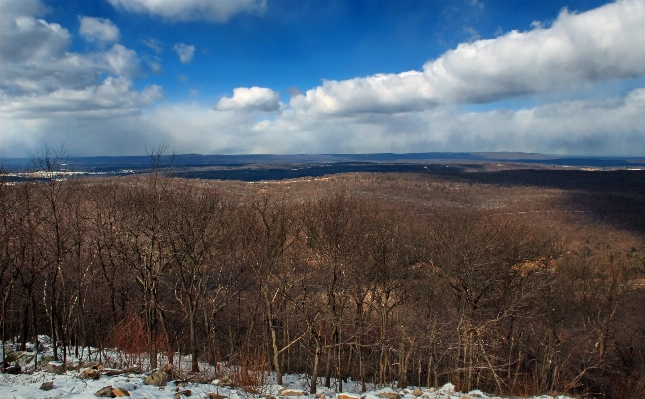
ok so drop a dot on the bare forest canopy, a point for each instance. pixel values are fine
(511, 281)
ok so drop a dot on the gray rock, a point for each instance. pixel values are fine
(186, 392)
(15, 369)
(47, 386)
(105, 392)
(388, 395)
(158, 378)
(56, 367)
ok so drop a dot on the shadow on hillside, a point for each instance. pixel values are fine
(614, 197)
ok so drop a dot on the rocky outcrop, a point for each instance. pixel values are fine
(56, 367)
(292, 392)
(388, 395)
(158, 378)
(105, 392)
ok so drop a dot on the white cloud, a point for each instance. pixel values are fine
(583, 127)
(98, 30)
(190, 10)
(185, 52)
(594, 46)
(22, 7)
(87, 100)
(250, 99)
(153, 44)
(113, 95)
(46, 89)
(578, 48)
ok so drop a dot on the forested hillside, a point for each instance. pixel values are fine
(513, 287)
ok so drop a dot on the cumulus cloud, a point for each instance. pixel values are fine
(45, 88)
(185, 52)
(585, 127)
(98, 30)
(190, 10)
(577, 49)
(115, 95)
(250, 99)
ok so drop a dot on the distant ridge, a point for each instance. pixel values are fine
(198, 160)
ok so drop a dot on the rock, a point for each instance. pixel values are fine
(15, 369)
(45, 359)
(225, 381)
(120, 392)
(158, 379)
(417, 392)
(347, 396)
(105, 392)
(91, 372)
(47, 386)
(215, 395)
(292, 392)
(432, 389)
(388, 395)
(186, 392)
(12, 357)
(56, 367)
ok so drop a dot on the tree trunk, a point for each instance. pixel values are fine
(314, 371)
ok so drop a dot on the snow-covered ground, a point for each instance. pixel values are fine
(71, 385)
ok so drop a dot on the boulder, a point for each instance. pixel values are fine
(292, 392)
(15, 369)
(47, 386)
(91, 372)
(158, 378)
(215, 395)
(417, 392)
(169, 371)
(56, 367)
(45, 359)
(186, 392)
(225, 381)
(105, 392)
(120, 392)
(388, 395)
(12, 357)
(348, 396)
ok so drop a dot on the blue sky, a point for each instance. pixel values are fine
(117, 77)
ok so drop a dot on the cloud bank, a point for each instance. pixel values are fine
(88, 100)
(592, 47)
(192, 10)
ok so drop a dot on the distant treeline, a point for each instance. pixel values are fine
(333, 285)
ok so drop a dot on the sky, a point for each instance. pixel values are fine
(123, 77)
